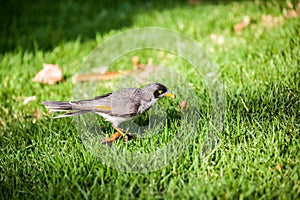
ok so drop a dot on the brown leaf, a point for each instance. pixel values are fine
(289, 4)
(291, 14)
(135, 60)
(241, 25)
(140, 71)
(269, 21)
(184, 105)
(278, 167)
(50, 74)
(96, 76)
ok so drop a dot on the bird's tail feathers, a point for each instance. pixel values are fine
(56, 106)
(61, 106)
(79, 112)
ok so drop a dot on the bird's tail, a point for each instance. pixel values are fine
(60, 106)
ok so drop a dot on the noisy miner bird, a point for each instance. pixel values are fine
(115, 107)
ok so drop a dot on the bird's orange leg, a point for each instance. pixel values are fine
(115, 136)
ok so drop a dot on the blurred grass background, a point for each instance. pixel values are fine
(258, 153)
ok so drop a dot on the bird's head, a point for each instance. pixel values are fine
(157, 90)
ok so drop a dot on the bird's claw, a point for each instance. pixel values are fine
(116, 136)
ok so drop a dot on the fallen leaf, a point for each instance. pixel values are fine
(96, 76)
(269, 21)
(28, 99)
(291, 14)
(278, 167)
(241, 25)
(50, 74)
(140, 72)
(184, 105)
(135, 60)
(289, 4)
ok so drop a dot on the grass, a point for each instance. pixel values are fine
(257, 154)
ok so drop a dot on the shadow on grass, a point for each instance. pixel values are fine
(44, 24)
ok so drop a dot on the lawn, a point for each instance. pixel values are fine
(256, 152)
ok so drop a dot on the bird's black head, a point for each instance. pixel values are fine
(158, 90)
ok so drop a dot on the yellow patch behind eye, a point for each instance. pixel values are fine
(160, 91)
(103, 107)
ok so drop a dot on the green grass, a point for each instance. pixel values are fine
(257, 155)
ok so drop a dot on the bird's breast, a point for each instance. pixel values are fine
(146, 105)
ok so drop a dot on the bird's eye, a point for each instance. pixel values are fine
(157, 93)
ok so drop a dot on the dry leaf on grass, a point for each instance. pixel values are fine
(96, 76)
(241, 25)
(269, 21)
(184, 105)
(289, 4)
(140, 71)
(291, 14)
(278, 167)
(50, 74)
(135, 60)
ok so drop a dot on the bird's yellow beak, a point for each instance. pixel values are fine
(170, 95)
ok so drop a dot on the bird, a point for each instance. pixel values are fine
(115, 107)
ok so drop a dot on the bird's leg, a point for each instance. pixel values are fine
(115, 136)
(122, 132)
(126, 135)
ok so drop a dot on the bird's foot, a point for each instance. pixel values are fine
(110, 140)
(117, 135)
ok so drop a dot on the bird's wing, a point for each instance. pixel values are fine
(100, 103)
(125, 103)
(122, 103)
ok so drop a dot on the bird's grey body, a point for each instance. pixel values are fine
(115, 107)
